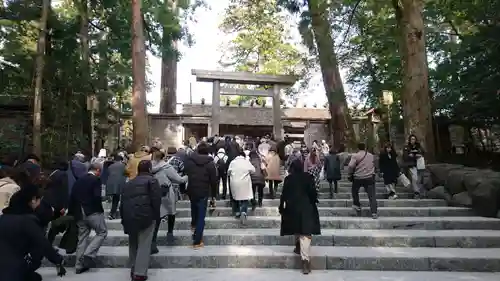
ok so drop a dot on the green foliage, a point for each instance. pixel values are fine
(262, 41)
(463, 47)
(66, 82)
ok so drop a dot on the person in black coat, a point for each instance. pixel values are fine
(202, 184)
(389, 168)
(140, 209)
(299, 211)
(22, 241)
(57, 197)
(332, 168)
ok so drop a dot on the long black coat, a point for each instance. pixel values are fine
(299, 212)
(332, 167)
(389, 167)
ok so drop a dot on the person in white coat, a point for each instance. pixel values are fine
(241, 183)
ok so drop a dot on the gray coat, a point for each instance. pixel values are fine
(116, 178)
(166, 175)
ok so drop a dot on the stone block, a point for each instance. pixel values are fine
(439, 192)
(461, 199)
(439, 172)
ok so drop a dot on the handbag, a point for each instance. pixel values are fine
(421, 163)
(351, 175)
(403, 179)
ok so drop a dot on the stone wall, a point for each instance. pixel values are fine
(465, 186)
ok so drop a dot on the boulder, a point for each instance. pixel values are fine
(439, 192)
(461, 199)
(484, 191)
(455, 180)
(439, 172)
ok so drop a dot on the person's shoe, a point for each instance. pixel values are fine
(170, 239)
(154, 250)
(237, 215)
(260, 203)
(416, 195)
(296, 250)
(243, 218)
(254, 204)
(374, 216)
(357, 210)
(331, 195)
(139, 278)
(81, 270)
(305, 267)
(111, 217)
(198, 246)
(88, 262)
(393, 196)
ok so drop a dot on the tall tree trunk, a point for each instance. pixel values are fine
(88, 99)
(343, 132)
(139, 114)
(168, 90)
(40, 64)
(417, 111)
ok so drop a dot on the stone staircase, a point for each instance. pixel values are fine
(416, 237)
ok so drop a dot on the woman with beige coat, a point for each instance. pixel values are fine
(273, 175)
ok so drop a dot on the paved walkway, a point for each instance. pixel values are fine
(232, 274)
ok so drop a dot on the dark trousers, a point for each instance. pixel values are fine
(273, 187)
(115, 200)
(223, 178)
(155, 235)
(258, 187)
(334, 186)
(198, 213)
(369, 186)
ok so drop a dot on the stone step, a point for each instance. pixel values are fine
(347, 195)
(430, 223)
(336, 203)
(344, 203)
(221, 211)
(330, 237)
(254, 274)
(325, 257)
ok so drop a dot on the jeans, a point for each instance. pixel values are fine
(243, 204)
(198, 213)
(415, 178)
(369, 185)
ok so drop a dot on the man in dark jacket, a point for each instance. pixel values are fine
(86, 207)
(140, 209)
(202, 183)
(22, 241)
(56, 195)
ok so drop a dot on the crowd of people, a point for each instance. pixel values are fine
(144, 187)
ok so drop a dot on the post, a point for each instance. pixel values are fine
(277, 126)
(215, 108)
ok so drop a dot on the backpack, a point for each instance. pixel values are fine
(221, 164)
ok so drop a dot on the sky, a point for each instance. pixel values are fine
(205, 54)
